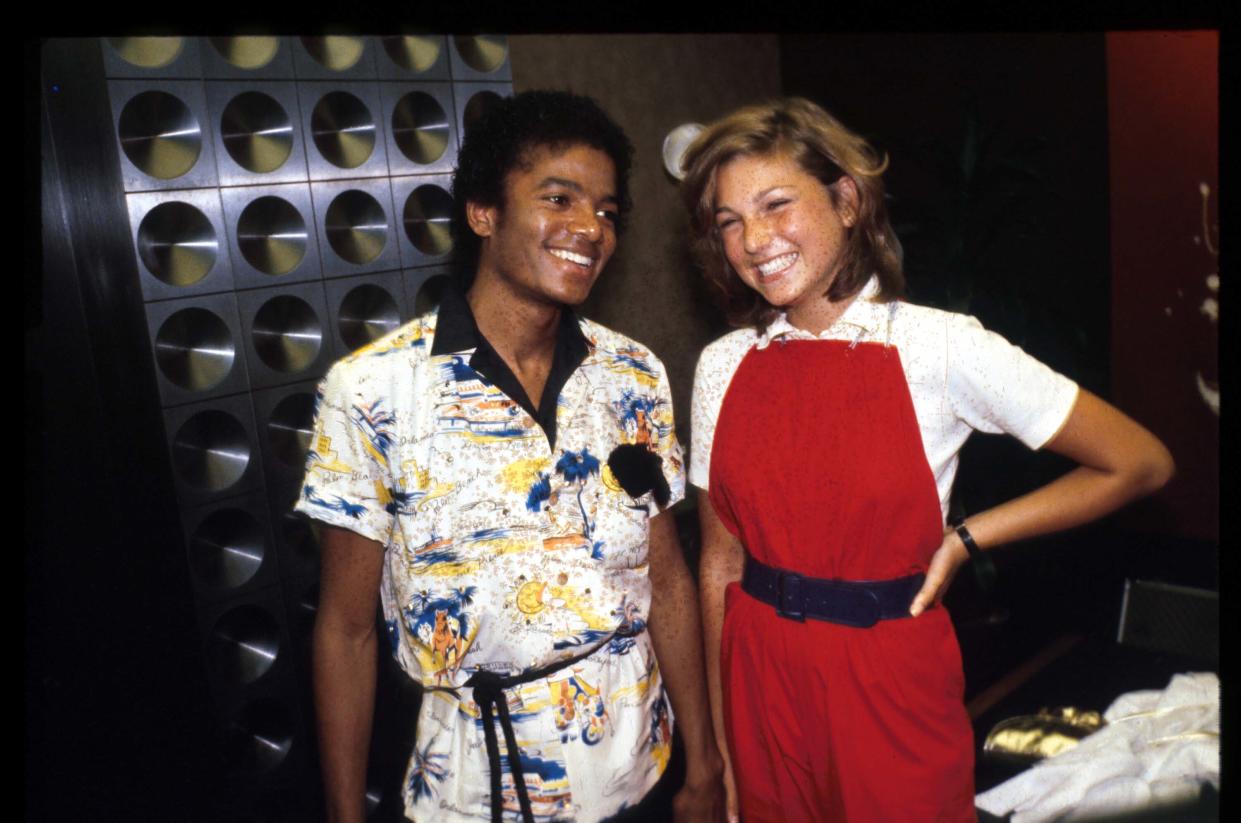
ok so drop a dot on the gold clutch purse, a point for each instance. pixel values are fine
(1033, 737)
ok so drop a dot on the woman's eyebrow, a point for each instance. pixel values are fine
(759, 196)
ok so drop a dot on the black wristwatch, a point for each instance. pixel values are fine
(984, 566)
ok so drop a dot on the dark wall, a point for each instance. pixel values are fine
(998, 187)
(998, 177)
(1163, 102)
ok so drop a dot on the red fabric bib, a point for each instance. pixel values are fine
(818, 464)
(818, 467)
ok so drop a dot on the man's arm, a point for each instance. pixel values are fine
(344, 666)
(676, 633)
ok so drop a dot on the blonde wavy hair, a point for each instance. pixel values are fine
(825, 149)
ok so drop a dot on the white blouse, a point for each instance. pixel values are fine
(961, 378)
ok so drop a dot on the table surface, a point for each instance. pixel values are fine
(1089, 676)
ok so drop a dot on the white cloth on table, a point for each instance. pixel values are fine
(1157, 747)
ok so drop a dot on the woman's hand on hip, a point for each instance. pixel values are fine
(944, 564)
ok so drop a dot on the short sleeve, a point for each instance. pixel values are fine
(667, 446)
(348, 480)
(996, 387)
(714, 373)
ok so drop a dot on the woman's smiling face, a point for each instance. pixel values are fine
(780, 229)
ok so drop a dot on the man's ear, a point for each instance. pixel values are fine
(482, 219)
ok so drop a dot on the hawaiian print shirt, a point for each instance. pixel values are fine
(505, 554)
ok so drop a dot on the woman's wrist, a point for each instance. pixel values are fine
(962, 532)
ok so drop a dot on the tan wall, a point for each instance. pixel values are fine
(649, 84)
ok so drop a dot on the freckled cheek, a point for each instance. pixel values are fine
(734, 253)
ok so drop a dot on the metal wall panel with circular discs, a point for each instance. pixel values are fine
(195, 346)
(271, 236)
(470, 101)
(422, 135)
(230, 547)
(289, 202)
(346, 128)
(253, 57)
(413, 57)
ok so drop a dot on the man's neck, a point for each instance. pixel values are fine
(521, 330)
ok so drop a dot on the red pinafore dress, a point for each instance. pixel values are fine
(818, 467)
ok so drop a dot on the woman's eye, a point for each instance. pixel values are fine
(775, 204)
(725, 224)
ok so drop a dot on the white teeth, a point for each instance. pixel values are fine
(776, 264)
(580, 259)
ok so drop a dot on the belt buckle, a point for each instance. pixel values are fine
(790, 602)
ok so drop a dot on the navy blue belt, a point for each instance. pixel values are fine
(858, 603)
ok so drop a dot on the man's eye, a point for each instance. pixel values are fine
(608, 215)
(558, 199)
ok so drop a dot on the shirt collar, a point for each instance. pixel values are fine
(861, 319)
(457, 332)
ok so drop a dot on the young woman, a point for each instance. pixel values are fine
(826, 435)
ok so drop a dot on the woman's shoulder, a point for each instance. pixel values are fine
(721, 358)
(913, 320)
(736, 342)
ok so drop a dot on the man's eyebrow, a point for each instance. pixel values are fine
(572, 185)
(548, 182)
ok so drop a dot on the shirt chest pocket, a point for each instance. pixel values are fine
(622, 526)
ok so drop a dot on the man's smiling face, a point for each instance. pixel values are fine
(556, 228)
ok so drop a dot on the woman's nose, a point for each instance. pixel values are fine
(756, 235)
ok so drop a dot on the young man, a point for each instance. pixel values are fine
(497, 473)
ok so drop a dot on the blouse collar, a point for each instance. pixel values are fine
(861, 319)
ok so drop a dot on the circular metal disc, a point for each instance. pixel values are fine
(194, 349)
(250, 52)
(478, 105)
(343, 129)
(211, 450)
(428, 219)
(307, 608)
(257, 132)
(272, 235)
(290, 428)
(336, 53)
(356, 226)
(244, 644)
(227, 548)
(420, 127)
(412, 52)
(159, 134)
(430, 294)
(299, 537)
(177, 243)
(259, 738)
(147, 52)
(482, 52)
(366, 314)
(287, 333)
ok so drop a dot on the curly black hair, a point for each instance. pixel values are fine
(502, 139)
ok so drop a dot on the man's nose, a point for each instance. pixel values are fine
(588, 223)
